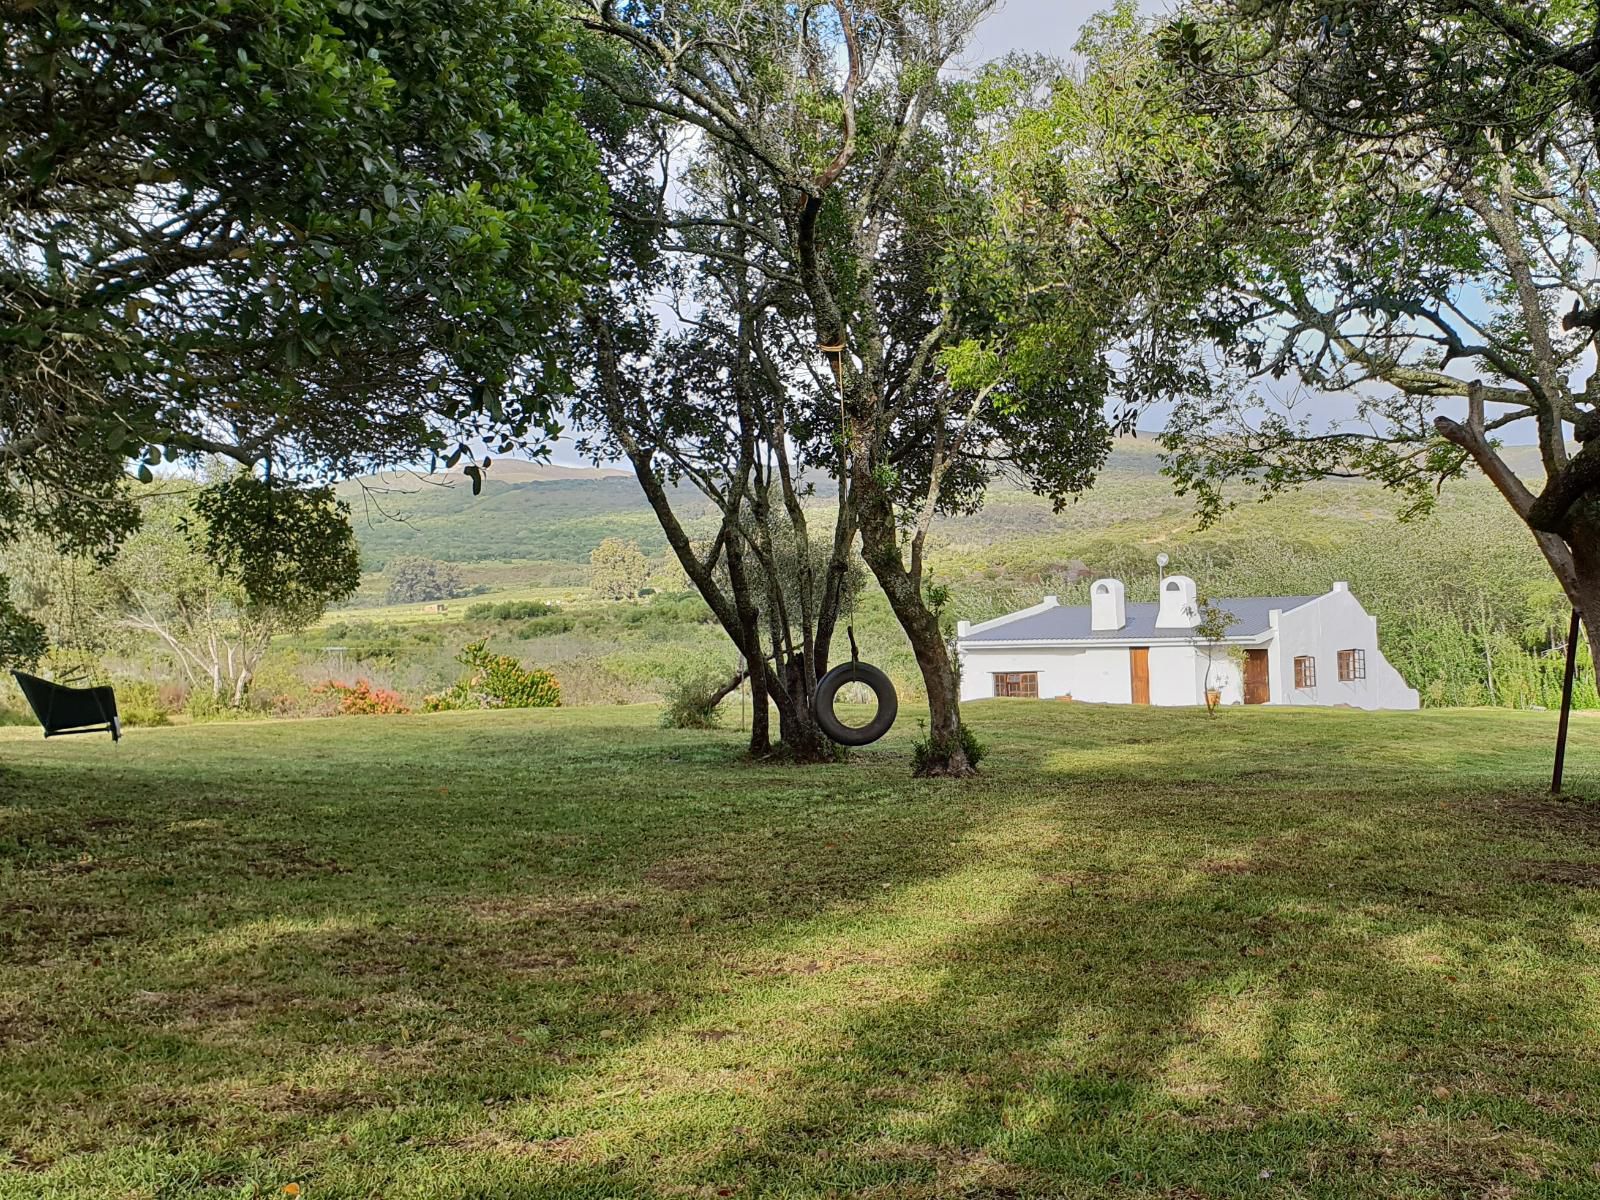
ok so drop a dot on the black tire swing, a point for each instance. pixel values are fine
(854, 671)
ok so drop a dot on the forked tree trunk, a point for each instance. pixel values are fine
(880, 546)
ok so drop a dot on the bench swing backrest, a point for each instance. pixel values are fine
(63, 710)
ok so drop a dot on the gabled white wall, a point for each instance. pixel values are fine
(1331, 623)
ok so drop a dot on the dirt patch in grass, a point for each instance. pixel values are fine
(564, 1150)
(1570, 818)
(688, 874)
(594, 908)
(292, 862)
(1236, 865)
(1472, 1158)
(1565, 874)
(961, 1170)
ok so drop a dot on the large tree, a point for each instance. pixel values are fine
(701, 405)
(322, 236)
(1364, 242)
(825, 153)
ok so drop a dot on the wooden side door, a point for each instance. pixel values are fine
(1257, 689)
(1139, 672)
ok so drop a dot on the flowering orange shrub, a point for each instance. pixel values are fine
(361, 699)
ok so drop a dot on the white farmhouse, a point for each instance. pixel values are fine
(1278, 650)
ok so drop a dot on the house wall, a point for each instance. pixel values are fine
(1093, 674)
(1174, 678)
(1227, 676)
(1321, 629)
(1101, 675)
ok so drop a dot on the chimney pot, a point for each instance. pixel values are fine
(1108, 605)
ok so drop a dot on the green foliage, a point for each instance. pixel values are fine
(415, 580)
(286, 547)
(546, 627)
(342, 236)
(617, 569)
(213, 607)
(692, 699)
(509, 610)
(497, 681)
(22, 640)
(139, 703)
(929, 753)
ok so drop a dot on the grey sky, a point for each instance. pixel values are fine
(1035, 26)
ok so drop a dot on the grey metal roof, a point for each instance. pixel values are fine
(1071, 624)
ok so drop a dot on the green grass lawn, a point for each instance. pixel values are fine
(567, 954)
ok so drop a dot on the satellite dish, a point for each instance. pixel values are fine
(1162, 559)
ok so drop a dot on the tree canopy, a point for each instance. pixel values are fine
(325, 235)
(822, 163)
(322, 236)
(1353, 241)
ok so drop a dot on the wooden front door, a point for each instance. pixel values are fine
(1139, 670)
(1256, 688)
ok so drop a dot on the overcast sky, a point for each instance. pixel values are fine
(1036, 26)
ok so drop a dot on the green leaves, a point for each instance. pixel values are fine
(348, 217)
(287, 547)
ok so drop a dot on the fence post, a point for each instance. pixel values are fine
(1566, 704)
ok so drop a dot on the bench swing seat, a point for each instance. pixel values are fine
(63, 710)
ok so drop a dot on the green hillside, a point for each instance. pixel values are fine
(1467, 609)
(541, 520)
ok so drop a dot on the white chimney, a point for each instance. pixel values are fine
(1341, 586)
(1180, 604)
(1108, 604)
(963, 628)
(1051, 601)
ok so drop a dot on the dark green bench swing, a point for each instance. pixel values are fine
(63, 710)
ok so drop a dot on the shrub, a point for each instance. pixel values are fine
(509, 610)
(361, 699)
(139, 702)
(414, 580)
(545, 627)
(692, 700)
(924, 752)
(497, 681)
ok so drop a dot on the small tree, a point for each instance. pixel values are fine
(1212, 629)
(214, 606)
(414, 580)
(618, 569)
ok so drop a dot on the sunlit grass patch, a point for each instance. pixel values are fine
(569, 954)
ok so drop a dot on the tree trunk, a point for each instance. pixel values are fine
(1584, 589)
(803, 741)
(947, 754)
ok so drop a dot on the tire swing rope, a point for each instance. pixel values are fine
(854, 671)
